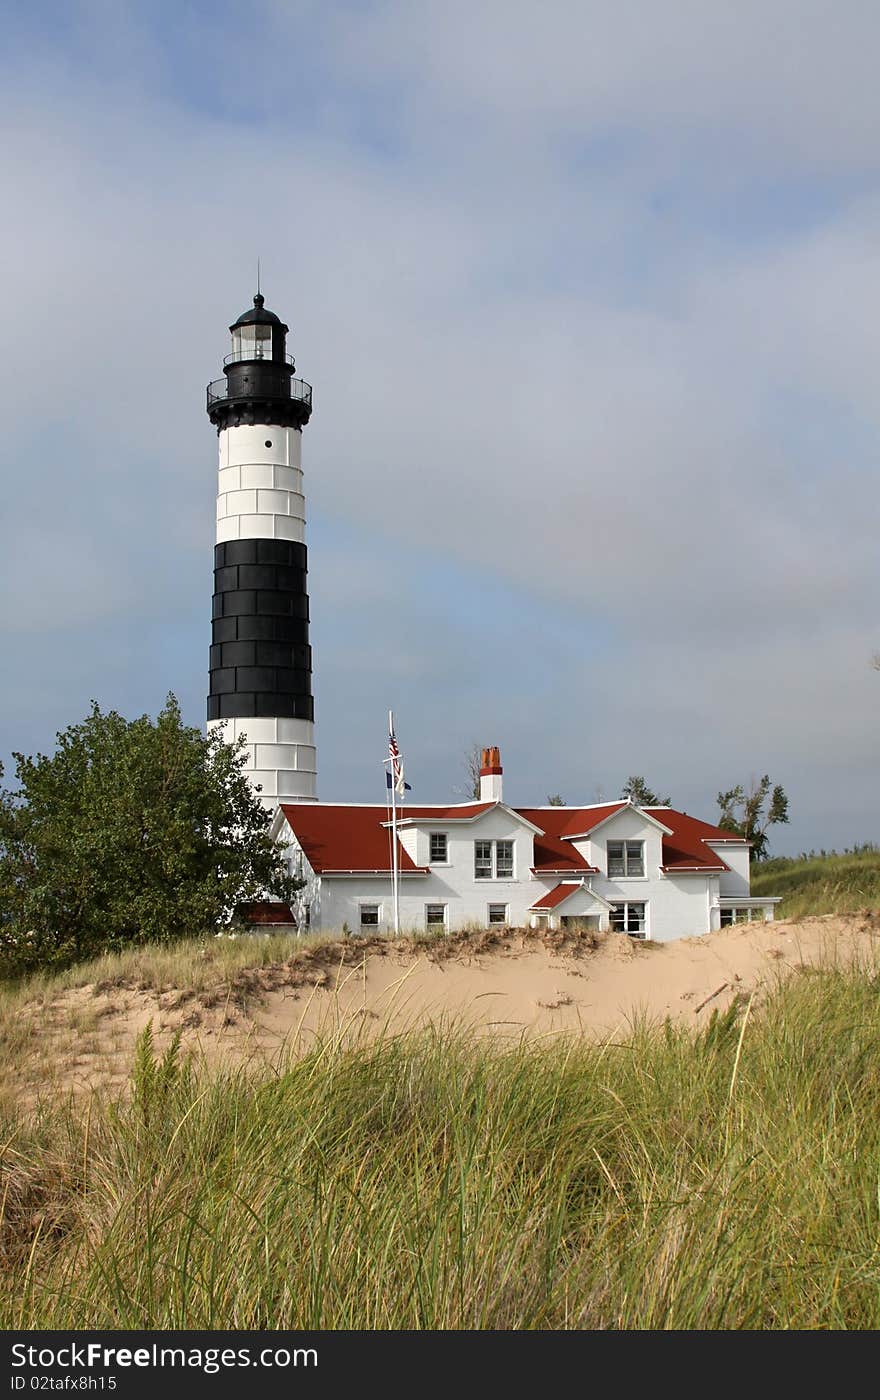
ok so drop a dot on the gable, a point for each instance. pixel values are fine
(687, 842)
(465, 815)
(576, 896)
(619, 817)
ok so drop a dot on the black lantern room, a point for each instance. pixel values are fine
(259, 384)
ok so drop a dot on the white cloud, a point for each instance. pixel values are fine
(660, 432)
(789, 82)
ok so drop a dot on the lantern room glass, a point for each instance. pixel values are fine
(252, 342)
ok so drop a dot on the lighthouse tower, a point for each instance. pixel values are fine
(261, 661)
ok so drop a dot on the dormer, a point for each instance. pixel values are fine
(444, 838)
(626, 845)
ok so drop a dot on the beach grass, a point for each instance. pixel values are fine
(726, 1178)
(821, 883)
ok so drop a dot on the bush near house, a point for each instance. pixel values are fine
(131, 832)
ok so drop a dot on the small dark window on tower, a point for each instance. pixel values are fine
(268, 442)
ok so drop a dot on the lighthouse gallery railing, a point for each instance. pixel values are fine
(218, 390)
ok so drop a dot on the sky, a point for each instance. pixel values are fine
(589, 294)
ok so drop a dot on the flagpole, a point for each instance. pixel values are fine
(394, 876)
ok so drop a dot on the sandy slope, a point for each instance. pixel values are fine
(524, 987)
(510, 986)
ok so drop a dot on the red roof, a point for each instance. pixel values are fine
(686, 848)
(344, 838)
(556, 895)
(465, 811)
(566, 822)
(348, 838)
(338, 837)
(552, 850)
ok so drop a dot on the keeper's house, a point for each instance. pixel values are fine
(650, 872)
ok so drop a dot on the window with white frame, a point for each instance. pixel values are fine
(439, 848)
(498, 914)
(371, 915)
(629, 918)
(493, 860)
(626, 858)
(435, 916)
(742, 915)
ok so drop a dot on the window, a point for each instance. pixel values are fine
(493, 860)
(435, 915)
(498, 914)
(503, 860)
(370, 915)
(252, 342)
(439, 848)
(626, 858)
(628, 918)
(739, 916)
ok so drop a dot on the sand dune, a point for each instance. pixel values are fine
(521, 986)
(504, 985)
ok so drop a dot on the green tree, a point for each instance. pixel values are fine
(554, 800)
(636, 790)
(130, 832)
(748, 813)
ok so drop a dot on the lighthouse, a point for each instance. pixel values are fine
(261, 661)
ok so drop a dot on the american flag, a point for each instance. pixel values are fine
(396, 764)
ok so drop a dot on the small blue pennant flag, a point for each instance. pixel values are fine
(389, 783)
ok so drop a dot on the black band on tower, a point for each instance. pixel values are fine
(261, 662)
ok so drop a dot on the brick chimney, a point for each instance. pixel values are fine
(490, 775)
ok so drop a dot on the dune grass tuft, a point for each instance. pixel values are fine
(721, 1179)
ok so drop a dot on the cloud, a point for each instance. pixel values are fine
(791, 82)
(590, 311)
